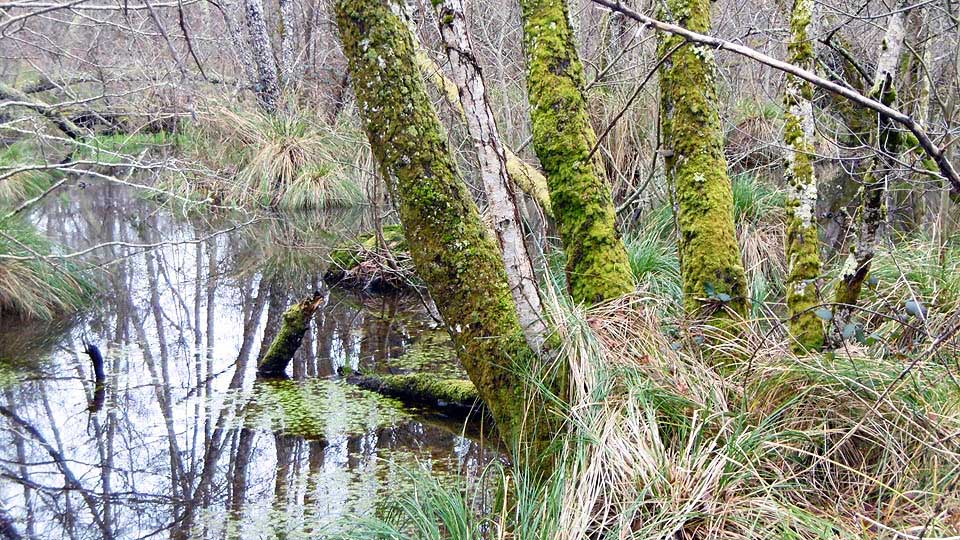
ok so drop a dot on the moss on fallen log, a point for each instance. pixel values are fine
(295, 322)
(456, 395)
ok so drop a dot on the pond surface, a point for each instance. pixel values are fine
(183, 442)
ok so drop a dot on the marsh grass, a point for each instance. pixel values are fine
(36, 287)
(119, 148)
(661, 443)
(289, 160)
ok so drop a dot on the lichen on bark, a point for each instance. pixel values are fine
(451, 247)
(713, 273)
(597, 267)
(802, 248)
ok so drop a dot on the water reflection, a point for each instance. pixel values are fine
(181, 441)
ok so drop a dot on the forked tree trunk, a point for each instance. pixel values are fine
(267, 87)
(450, 246)
(803, 254)
(597, 267)
(501, 199)
(714, 280)
(887, 141)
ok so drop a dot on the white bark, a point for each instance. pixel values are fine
(501, 198)
(267, 87)
(238, 41)
(288, 42)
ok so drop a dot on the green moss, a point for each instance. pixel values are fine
(451, 247)
(296, 320)
(349, 255)
(597, 267)
(431, 353)
(802, 249)
(425, 388)
(697, 169)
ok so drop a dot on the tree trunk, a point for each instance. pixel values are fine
(803, 254)
(525, 176)
(888, 143)
(597, 267)
(710, 263)
(501, 199)
(449, 244)
(239, 42)
(57, 118)
(455, 395)
(267, 87)
(288, 42)
(296, 320)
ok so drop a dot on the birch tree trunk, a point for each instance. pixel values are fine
(267, 87)
(501, 198)
(802, 245)
(888, 142)
(597, 267)
(451, 248)
(713, 276)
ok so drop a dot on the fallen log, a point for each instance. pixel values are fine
(16, 97)
(450, 395)
(295, 321)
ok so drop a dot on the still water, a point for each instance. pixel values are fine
(183, 442)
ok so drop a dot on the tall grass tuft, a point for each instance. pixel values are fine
(661, 444)
(25, 184)
(289, 160)
(35, 287)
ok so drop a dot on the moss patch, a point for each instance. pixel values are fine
(318, 408)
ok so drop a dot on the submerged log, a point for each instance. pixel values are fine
(451, 395)
(295, 322)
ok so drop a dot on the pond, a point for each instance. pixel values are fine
(183, 441)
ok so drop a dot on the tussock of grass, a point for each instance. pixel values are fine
(289, 160)
(661, 444)
(35, 288)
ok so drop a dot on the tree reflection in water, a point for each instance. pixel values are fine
(180, 446)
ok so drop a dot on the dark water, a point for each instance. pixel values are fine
(183, 442)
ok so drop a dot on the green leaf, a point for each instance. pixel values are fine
(724, 297)
(710, 290)
(824, 314)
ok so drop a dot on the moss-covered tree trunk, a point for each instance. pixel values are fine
(710, 263)
(597, 267)
(296, 320)
(888, 143)
(451, 248)
(803, 254)
(526, 177)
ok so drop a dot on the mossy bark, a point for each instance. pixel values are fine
(802, 247)
(451, 247)
(296, 320)
(455, 394)
(597, 267)
(713, 273)
(526, 177)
